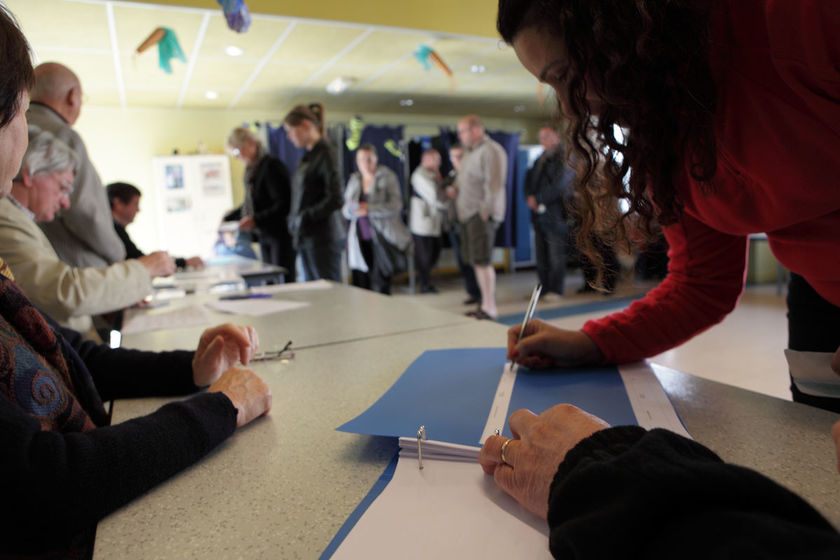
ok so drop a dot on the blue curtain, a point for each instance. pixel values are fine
(282, 148)
(506, 236)
(378, 135)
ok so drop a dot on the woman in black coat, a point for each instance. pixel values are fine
(315, 221)
(267, 199)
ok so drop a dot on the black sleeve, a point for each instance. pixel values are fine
(56, 486)
(122, 373)
(180, 262)
(628, 493)
(234, 215)
(272, 208)
(324, 179)
(131, 250)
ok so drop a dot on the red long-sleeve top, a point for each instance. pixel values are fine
(777, 66)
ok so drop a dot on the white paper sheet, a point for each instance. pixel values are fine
(450, 509)
(812, 373)
(256, 307)
(139, 320)
(294, 287)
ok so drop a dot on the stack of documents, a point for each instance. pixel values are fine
(450, 508)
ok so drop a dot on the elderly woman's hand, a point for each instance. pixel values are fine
(248, 393)
(539, 445)
(219, 349)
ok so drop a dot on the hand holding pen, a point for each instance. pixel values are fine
(537, 344)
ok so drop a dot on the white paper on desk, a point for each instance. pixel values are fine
(812, 373)
(295, 287)
(138, 320)
(256, 307)
(450, 509)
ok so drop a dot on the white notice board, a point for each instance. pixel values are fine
(193, 194)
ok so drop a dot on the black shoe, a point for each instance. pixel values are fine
(428, 289)
(471, 300)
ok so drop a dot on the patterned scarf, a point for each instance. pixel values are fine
(34, 373)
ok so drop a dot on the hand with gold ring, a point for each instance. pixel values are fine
(539, 445)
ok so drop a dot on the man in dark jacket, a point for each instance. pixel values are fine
(548, 185)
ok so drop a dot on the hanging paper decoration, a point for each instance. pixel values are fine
(393, 149)
(237, 15)
(356, 127)
(168, 47)
(427, 56)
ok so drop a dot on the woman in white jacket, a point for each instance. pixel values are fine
(427, 212)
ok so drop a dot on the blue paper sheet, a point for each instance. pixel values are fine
(450, 392)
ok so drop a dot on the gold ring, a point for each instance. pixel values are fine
(502, 454)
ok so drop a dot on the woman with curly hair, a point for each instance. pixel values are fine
(732, 116)
(731, 110)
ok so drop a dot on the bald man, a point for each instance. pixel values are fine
(84, 235)
(480, 206)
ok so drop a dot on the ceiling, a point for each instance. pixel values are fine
(285, 61)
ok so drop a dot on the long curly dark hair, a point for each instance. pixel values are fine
(650, 61)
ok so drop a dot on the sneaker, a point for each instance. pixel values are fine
(551, 297)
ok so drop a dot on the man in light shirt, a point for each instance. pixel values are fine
(481, 206)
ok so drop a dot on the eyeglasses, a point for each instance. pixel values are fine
(65, 188)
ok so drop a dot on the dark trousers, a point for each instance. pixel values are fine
(467, 272)
(551, 251)
(813, 326)
(321, 261)
(373, 279)
(426, 253)
(273, 253)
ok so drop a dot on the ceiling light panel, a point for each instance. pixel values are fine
(256, 42)
(315, 43)
(54, 24)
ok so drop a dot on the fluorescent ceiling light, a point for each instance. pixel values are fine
(234, 51)
(340, 85)
(406, 102)
(211, 95)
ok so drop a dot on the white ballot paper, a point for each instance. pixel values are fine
(453, 527)
(139, 320)
(255, 307)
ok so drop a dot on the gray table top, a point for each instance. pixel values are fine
(282, 486)
(338, 314)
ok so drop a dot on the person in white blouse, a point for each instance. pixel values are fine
(426, 219)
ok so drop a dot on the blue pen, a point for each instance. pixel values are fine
(245, 296)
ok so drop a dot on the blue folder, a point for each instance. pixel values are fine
(450, 392)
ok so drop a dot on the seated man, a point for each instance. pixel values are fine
(125, 204)
(70, 295)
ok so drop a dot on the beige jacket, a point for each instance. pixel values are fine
(83, 235)
(69, 295)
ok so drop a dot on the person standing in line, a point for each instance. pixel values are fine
(315, 221)
(481, 206)
(267, 199)
(548, 188)
(426, 217)
(450, 183)
(378, 239)
(83, 235)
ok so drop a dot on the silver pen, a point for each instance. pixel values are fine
(529, 313)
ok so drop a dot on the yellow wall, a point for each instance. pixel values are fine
(467, 17)
(122, 143)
